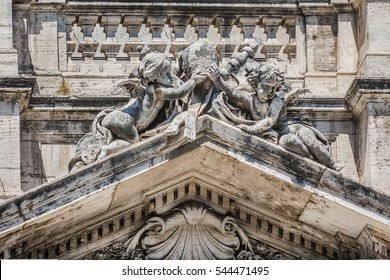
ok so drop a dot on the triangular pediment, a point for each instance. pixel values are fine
(292, 204)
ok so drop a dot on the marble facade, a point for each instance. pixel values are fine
(59, 61)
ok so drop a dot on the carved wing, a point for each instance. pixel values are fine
(132, 87)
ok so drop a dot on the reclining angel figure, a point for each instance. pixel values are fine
(266, 96)
(114, 129)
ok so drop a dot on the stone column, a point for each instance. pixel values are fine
(9, 107)
(374, 38)
(8, 55)
(369, 100)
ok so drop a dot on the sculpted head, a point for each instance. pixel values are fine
(267, 79)
(156, 68)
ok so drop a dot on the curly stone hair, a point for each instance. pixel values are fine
(270, 76)
(152, 65)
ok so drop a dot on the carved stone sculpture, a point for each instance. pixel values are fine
(115, 129)
(265, 96)
(193, 60)
(191, 231)
(252, 95)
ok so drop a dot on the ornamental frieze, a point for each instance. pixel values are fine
(192, 231)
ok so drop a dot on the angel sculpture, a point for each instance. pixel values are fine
(266, 96)
(114, 129)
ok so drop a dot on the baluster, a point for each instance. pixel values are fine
(213, 34)
(291, 48)
(145, 33)
(168, 36)
(272, 46)
(191, 35)
(77, 36)
(99, 35)
(122, 36)
(236, 35)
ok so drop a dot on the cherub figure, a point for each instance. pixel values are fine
(114, 129)
(266, 96)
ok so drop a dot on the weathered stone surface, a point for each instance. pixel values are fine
(78, 50)
(8, 56)
(148, 175)
(368, 99)
(375, 56)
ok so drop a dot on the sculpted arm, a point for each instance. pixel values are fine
(275, 107)
(180, 92)
(293, 95)
(233, 94)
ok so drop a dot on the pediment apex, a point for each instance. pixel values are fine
(230, 170)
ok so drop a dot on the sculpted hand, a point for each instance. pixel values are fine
(303, 90)
(199, 77)
(213, 73)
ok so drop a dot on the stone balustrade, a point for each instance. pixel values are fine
(97, 43)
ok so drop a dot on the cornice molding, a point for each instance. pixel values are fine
(363, 90)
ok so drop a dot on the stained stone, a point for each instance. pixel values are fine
(195, 121)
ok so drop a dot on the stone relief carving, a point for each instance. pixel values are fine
(190, 231)
(251, 95)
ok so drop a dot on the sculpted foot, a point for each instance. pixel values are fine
(103, 152)
(245, 127)
(337, 166)
(189, 134)
(172, 130)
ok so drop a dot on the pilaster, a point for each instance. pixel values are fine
(14, 96)
(368, 99)
(46, 44)
(347, 48)
(8, 54)
(321, 49)
(374, 22)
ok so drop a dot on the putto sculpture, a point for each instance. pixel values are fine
(113, 129)
(250, 95)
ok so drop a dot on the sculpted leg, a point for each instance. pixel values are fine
(294, 143)
(190, 126)
(315, 147)
(122, 125)
(113, 147)
(173, 128)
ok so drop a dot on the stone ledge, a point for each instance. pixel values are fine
(76, 102)
(367, 88)
(204, 7)
(17, 82)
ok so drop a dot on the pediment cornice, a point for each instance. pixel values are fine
(293, 204)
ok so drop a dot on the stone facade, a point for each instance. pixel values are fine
(59, 62)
